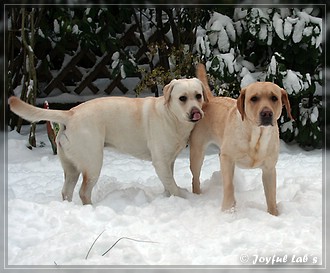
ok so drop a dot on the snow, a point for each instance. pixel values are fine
(272, 66)
(314, 114)
(308, 31)
(115, 56)
(287, 27)
(247, 77)
(225, 61)
(287, 126)
(278, 25)
(40, 33)
(202, 42)
(221, 30)
(228, 59)
(301, 29)
(169, 36)
(292, 82)
(129, 203)
(250, 66)
(122, 72)
(239, 14)
(299, 26)
(222, 40)
(87, 11)
(9, 23)
(263, 33)
(298, 31)
(30, 88)
(56, 27)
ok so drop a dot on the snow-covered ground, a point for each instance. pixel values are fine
(157, 230)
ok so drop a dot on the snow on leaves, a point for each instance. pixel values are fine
(300, 24)
(282, 45)
(219, 43)
(292, 82)
(221, 31)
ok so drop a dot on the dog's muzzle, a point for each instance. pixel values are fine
(266, 117)
(195, 115)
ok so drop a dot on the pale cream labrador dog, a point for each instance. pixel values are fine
(151, 128)
(246, 132)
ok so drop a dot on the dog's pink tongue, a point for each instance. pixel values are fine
(196, 115)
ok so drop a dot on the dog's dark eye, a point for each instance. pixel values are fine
(183, 98)
(254, 98)
(198, 96)
(274, 98)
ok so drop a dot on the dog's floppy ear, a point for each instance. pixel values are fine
(167, 90)
(286, 102)
(240, 103)
(204, 88)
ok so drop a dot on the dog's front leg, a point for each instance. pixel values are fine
(164, 171)
(196, 162)
(269, 182)
(227, 170)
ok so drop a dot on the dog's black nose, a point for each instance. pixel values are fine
(266, 113)
(266, 117)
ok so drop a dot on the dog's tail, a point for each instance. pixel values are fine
(34, 114)
(202, 76)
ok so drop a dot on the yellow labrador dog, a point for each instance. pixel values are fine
(151, 128)
(246, 132)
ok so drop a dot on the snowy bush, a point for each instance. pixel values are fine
(238, 45)
(96, 29)
(279, 45)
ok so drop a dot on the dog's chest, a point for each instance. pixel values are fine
(181, 138)
(257, 149)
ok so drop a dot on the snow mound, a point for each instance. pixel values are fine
(153, 229)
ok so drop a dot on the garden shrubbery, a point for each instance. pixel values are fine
(238, 46)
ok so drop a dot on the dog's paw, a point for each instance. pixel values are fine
(196, 190)
(229, 208)
(180, 192)
(184, 193)
(273, 211)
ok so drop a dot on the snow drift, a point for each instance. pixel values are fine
(152, 229)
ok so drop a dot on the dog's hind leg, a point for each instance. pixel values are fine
(91, 173)
(71, 175)
(89, 181)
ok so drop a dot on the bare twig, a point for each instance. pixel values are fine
(32, 76)
(93, 244)
(127, 238)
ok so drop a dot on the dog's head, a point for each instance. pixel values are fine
(261, 103)
(185, 98)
